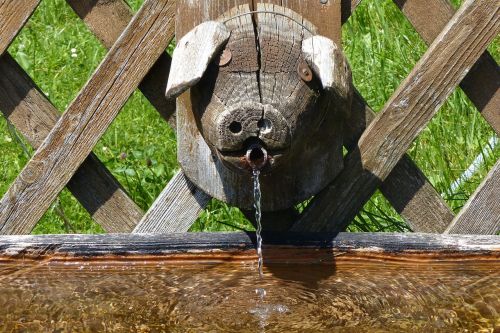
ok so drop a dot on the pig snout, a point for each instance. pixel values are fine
(238, 126)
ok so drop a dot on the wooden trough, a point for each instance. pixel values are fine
(240, 247)
(208, 282)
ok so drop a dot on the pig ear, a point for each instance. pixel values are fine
(192, 55)
(329, 64)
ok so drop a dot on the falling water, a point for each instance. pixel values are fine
(258, 215)
(263, 311)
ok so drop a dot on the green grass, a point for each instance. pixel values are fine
(60, 54)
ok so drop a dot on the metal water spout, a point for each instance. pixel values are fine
(256, 156)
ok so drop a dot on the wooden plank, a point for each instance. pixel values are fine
(325, 16)
(406, 187)
(481, 214)
(405, 115)
(88, 117)
(211, 245)
(26, 107)
(107, 20)
(13, 17)
(176, 209)
(482, 83)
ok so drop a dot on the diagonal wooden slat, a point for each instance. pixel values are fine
(26, 107)
(482, 83)
(175, 210)
(172, 211)
(107, 20)
(87, 118)
(408, 111)
(481, 214)
(13, 17)
(406, 187)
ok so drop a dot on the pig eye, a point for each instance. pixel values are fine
(235, 127)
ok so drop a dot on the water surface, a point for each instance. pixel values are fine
(351, 296)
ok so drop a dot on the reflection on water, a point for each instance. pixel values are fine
(357, 297)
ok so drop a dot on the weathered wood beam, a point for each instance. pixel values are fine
(405, 115)
(186, 203)
(88, 117)
(422, 247)
(176, 209)
(13, 17)
(482, 83)
(481, 214)
(27, 108)
(406, 187)
(107, 20)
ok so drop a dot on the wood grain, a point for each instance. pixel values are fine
(87, 118)
(13, 17)
(107, 20)
(482, 83)
(175, 210)
(326, 17)
(27, 108)
(407, 112)
(238, 246)
(481, 214)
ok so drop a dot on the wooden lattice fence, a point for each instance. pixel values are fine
(377, 143)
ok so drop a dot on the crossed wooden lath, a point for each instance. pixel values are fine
(377, 143)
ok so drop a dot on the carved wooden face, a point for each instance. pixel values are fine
(264, 93)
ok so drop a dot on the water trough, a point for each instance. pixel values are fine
(207, 281)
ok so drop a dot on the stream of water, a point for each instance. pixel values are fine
(258, 215)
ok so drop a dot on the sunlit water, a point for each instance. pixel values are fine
(258, 214)
(357, 296)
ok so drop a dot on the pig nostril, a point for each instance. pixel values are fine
(235, 127)
(265, 125)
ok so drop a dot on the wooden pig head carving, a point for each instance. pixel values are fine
(265, 91)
